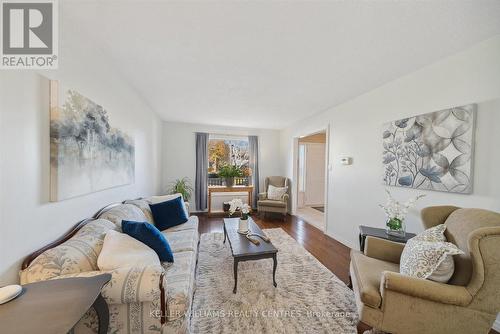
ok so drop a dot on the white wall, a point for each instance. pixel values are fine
(27, 219)
(179, 154)
(471, 76)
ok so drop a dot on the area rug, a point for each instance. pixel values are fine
(309, 298)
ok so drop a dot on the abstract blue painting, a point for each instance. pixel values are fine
(433, 151)
(87, 153)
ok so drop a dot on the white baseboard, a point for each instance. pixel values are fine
(342, 241)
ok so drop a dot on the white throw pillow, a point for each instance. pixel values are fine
(120, 250)
(276, 193)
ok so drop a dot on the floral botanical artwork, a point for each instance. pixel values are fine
(433, 151)
(87, 153)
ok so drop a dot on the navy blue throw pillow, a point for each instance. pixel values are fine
(168, 214)
(150, 236)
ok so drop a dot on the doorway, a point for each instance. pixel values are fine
(312, 179)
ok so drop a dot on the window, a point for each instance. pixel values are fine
(228, 150)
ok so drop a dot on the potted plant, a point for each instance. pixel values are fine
(396, 214)
(182, 186)
(228, 173)
(235, 205)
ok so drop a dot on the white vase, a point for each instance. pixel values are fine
(243, 226)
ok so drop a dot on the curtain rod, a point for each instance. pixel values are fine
(223, 134)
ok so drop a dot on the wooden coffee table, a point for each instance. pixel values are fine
(244, 250)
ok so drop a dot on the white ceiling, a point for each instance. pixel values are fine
(268, 64)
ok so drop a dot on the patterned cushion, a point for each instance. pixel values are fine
(446, 268)
(435, 233)
(191, 224)
(180, 241)
(144, 206)
(276, 193)
(78, 254)
(422, 258)
(124, 211)
(180, 284)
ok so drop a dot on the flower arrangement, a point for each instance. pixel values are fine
(237, 204)
(396, 213)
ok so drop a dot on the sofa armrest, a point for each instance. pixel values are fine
(424, 289)
(262, 196)
(129, 285)
(384, 250)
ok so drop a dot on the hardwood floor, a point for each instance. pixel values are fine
(331, 253)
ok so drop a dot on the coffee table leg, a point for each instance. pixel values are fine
(101, 308)
(275, 264)
(235, 268)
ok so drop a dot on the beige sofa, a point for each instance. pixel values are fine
(469, 303)
(153, 299)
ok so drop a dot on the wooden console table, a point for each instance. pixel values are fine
(234, 189)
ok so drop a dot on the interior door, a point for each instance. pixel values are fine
(314, 174)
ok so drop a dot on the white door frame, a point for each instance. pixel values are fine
(295, 184)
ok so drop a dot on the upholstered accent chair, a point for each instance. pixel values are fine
(264, 204)
(468, 303)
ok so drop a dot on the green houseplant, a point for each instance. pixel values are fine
(229, 172)
(182, 186)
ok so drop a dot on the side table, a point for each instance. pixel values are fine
(365, 231)
(55, 306)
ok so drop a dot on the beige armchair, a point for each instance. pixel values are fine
(268, 205)
(469, 303)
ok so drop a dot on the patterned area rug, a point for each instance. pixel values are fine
(309, 298)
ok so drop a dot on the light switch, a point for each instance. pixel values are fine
(346, 160)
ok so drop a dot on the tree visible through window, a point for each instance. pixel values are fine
(227, 150)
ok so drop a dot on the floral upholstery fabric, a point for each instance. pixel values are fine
(133, 297)
(143, 204)
(191, 224)
(180, 241)
(134, 318)
(123, 212)
(422, 258)
(78, 254)
(133, 294)
(180, 278)
(128, 285)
